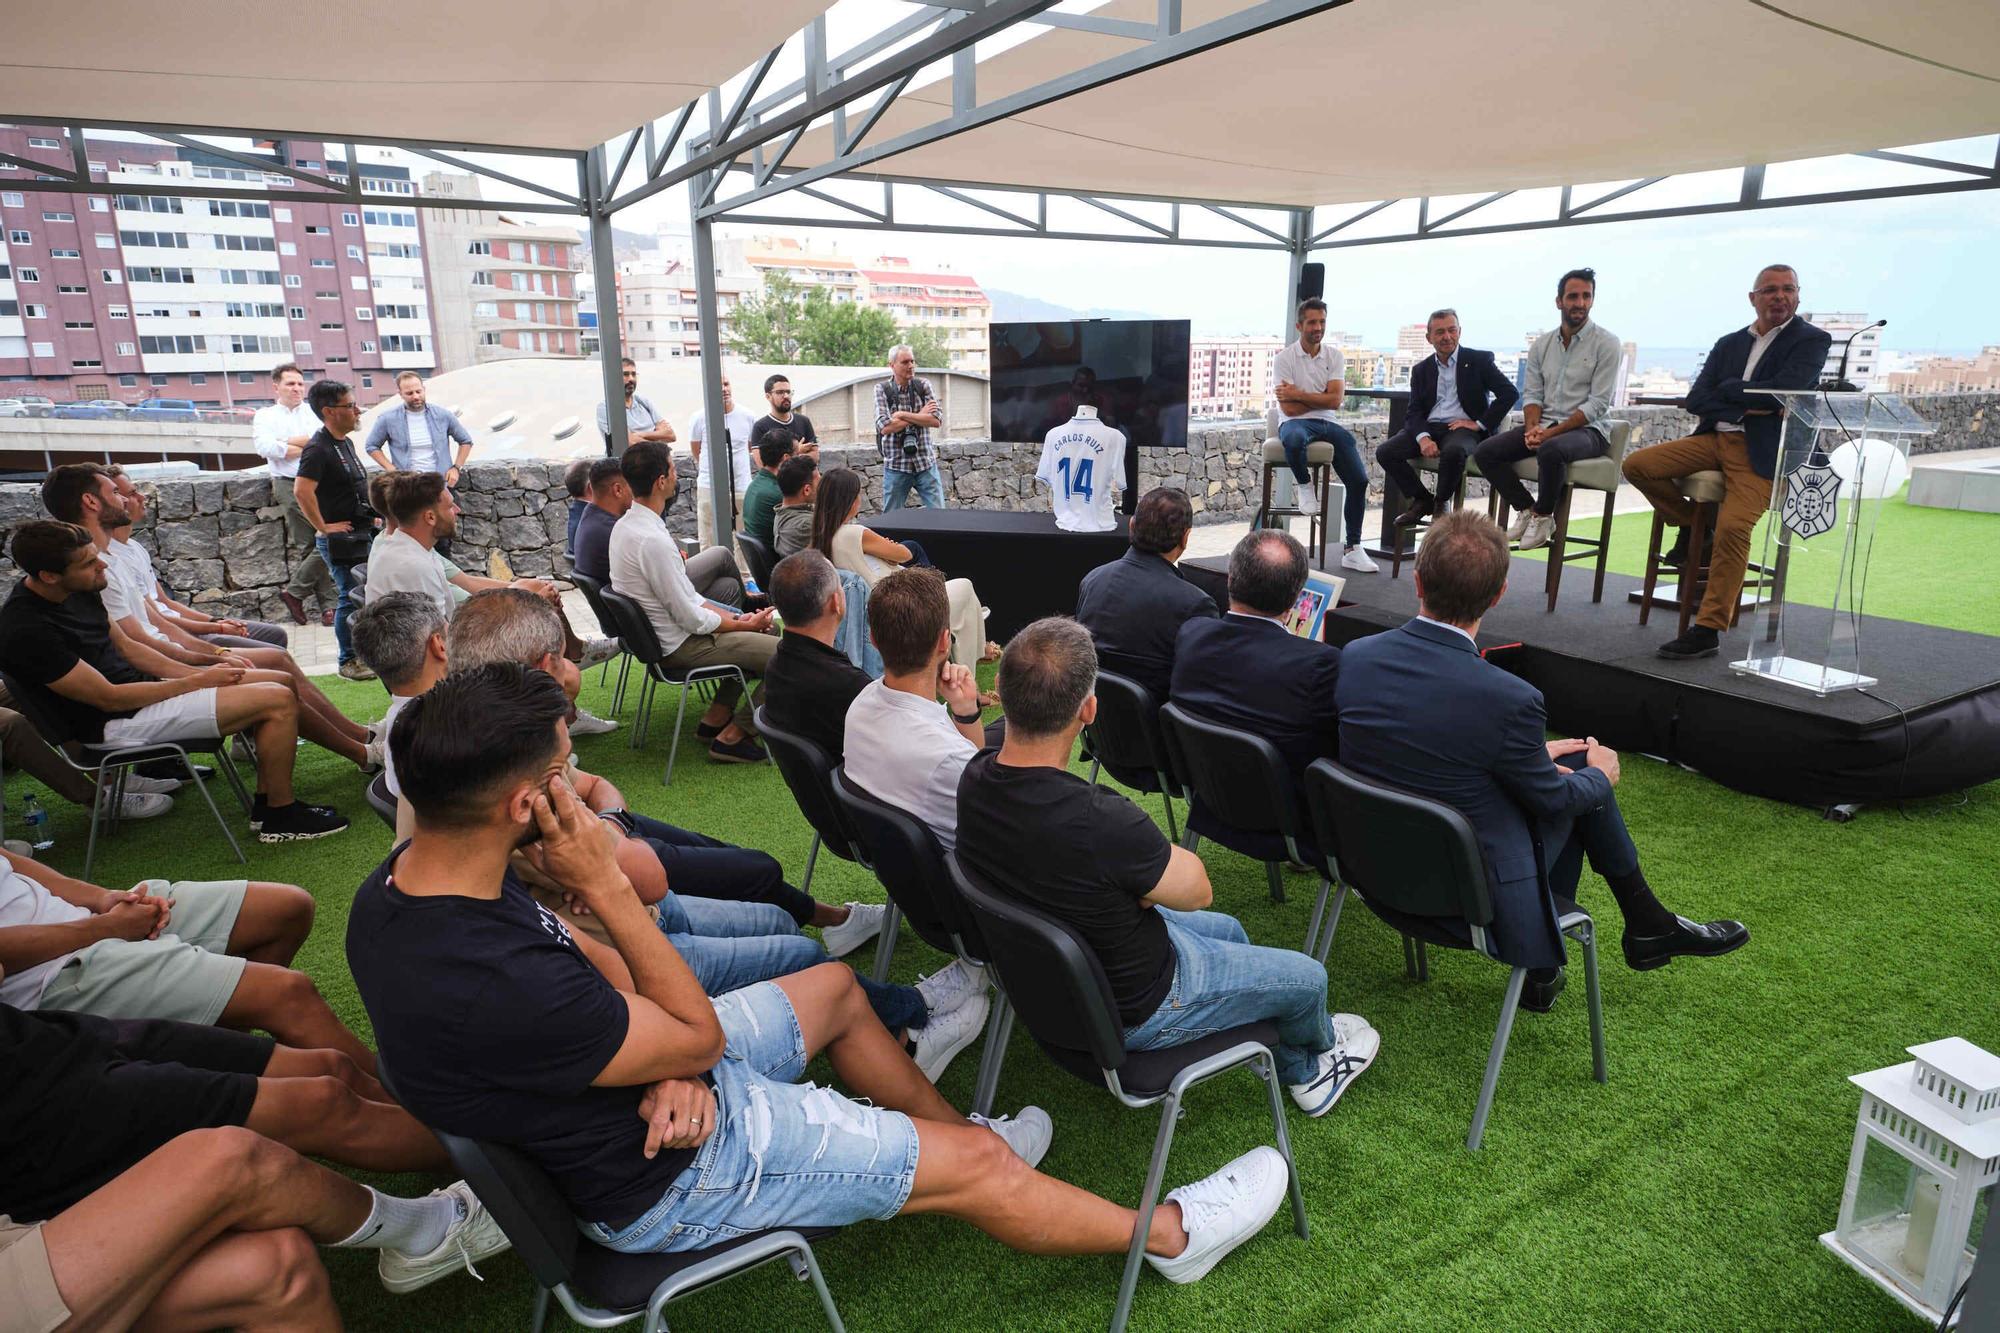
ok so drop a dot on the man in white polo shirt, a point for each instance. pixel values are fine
(738, 427)
(280, 433)
(1311, 385)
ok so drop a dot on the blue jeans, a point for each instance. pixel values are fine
(732, 945)
(783, 1153)
(710, 868)
(1221, 981)
(341, 583)
(896, 485)
(1300, 432)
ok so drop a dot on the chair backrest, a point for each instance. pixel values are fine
(634, 630)
(1401, 851)
(1618, 438)
(1051, 977)
(808, 770)
(909, 861)
(1241, 778)
(1126, 736)
(380, 801)
(593, 593)
(519, 1195)
(760, 558)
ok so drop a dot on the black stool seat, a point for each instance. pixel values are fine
(625, 1283)
(1151, 1073)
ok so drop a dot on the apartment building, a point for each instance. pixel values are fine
(839, 275)
(1843, 325)
(1228, 376)
(659, 307)
(952, 303)
(126, 296)
(1949, 374)
(503, 286)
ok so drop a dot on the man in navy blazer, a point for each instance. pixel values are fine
(1247, 671)
(1457, 399)
(1135, 606)
(1737, 434)
(1421, 710)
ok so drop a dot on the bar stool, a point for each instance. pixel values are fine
(1601, 474)
(1319, 470)
(1404, 544)
(1705, 490)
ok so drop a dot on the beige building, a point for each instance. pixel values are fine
(1949, 374)
(838, 274)
(1227, 376)
(659, 310)
(501, 286)
(1410, 341)
(949, 302)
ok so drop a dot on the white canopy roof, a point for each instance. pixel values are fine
(511, 73)
(1376, 99)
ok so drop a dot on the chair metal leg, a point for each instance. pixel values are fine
(227, 766)
(1095, 765)
(1508, 1008)
(1423, 962)
(1598, 1070)
(1193, 839)
(1319, 910)
(812, 858)
(1166, 799)
(674, 747)
(1156, 1170)
(1266, 1070)
(1409, 958)
(541, 1316)
(818, 1280)
(999, 1031)
(202, 787)
(885, 944)
(1276, 877)
(1332, 922)
(642, 715)
(96, 816)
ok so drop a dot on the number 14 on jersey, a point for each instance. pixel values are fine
(1079, 482)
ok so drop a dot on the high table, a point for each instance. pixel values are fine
(1023, 566)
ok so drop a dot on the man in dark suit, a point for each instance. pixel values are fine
(1457, 399)
(1247, 671)
(1135, 606)
(1478, 742)
(1736, 433)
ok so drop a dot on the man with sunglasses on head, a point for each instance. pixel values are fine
(332, 492)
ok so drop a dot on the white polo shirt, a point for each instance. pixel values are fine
(1310, 373)
(904, 750)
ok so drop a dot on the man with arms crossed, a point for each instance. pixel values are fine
(906, 412)
(778, 393)
(670, 1120)
(1570, 374)
(281, 431)
(1457, 398)
(1737, 434)
(1310, 388)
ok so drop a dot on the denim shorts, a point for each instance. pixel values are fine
(783, 1154)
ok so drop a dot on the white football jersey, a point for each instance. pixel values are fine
(1083, 460)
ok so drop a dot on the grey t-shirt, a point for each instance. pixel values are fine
(399, 563)
(791, 529)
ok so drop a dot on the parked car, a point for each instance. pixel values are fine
(96, 409)
(38, 404)
(166, 409)
(14, 407)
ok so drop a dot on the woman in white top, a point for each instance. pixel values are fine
(864, 551)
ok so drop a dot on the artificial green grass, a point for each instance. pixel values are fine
(1687, 1193)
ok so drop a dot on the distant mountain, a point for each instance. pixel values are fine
(1014, 308)
(626, 244)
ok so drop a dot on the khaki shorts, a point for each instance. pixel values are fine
(185, 974)
(29, 1301)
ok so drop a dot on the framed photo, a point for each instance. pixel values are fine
(1320, 595)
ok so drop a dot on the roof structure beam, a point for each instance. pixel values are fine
(493, 174)
(309, 136)
(261, 164)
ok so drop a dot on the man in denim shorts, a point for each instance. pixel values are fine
(670, 1121)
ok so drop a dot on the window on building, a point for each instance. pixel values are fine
(358, 283)
(79, 324)
(246, 377)
(13, 199)
(115, 276)
(128, 349)
(18, 237)
(44, 143)
(197, 379)
(118, 312)
(326, 296)
(162, 240)
(35, 312)
(303, 348)
(88, 363)
(10, 309)
(43, 349)
(292, 280)
(402, 342)
(363, 312)
(334, 325)
(336, 360)
(482, 279)
(27, 275)
(279, 214)
(238, 208)
(158, 381)
(350, 220)
(182, 344)
(367, 347)
(475, 248)
(367, 381)
(321, 263)
(128, 381)
(354, 252)
(287, 248)
(65, 254)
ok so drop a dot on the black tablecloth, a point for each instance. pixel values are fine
(1023, 566)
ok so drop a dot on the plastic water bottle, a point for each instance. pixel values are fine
(40, 836)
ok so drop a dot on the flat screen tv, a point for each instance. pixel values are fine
(1134, 371)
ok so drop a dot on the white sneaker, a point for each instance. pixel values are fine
(1519, 525)
(599, 650)
(587, 725)
(1338, 1068)
(1307, 501)
(864, 923)
(143, 804)
(952, 985)
(1356, 559)
(1028, 1133)
(372, 752)
(1222, 1211)
(474, 1236)
(1349, 1027)
(948, 1033)
(138, 783)
(1540, 528)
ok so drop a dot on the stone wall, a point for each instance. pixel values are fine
(219, 539)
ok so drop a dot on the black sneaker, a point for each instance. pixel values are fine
(745, 751)
(173, 770)
(260, 806)
(299, 822)
(1699, 641)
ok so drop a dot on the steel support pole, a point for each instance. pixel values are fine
(604, 265)
(1301, 238)
(716, 448)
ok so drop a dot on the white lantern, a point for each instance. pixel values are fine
(1921, 1178)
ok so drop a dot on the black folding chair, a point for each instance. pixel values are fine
(597, 1287)
(1061, 993)
(1416, 864)
(1244, 782)
(607, 624)
(635, 631)
(909, 861)
(108, 766)
(1126, 742)
(808, 771)
(760, 557)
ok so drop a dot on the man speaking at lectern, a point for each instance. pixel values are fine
(1737, 434)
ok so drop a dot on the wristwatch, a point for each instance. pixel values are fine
(620, 819)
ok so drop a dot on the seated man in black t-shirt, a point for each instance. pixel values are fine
(670, 1121)
(1091, 858)
(609, 497)
(59, 645)
(165, 1158)
(810, 683)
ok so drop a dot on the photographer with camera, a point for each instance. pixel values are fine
(906, 412)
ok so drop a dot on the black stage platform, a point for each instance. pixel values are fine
(1931, 726)
(1023, 566)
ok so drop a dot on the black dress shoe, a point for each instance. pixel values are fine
(1643, 953)
(1677, 553)
(173, 770)
(1699, 641)
(1418, 511)
(1539, 996)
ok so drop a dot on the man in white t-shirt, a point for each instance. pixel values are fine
(739, 427)
(280, 433)
(1310, 388)
(1082, 459)
(901, 744)
(401, 638)
(405, 559)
